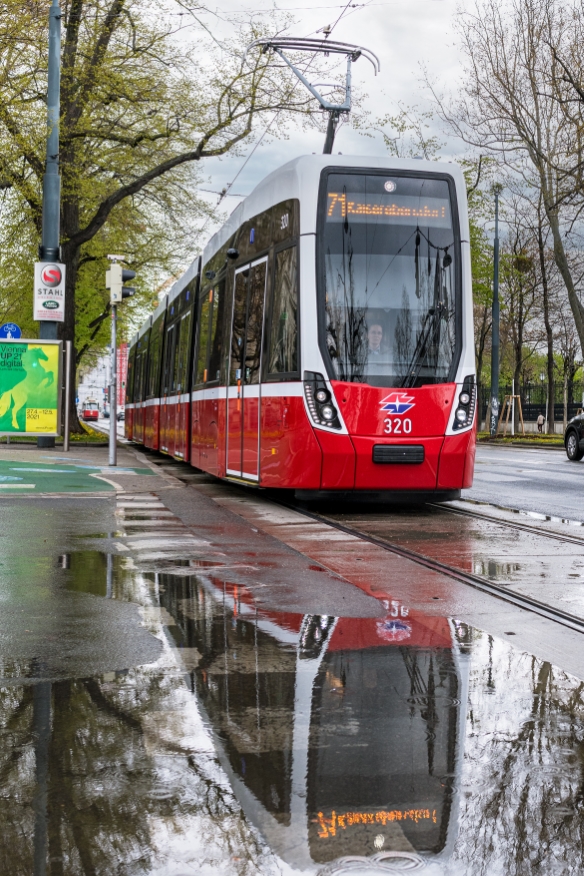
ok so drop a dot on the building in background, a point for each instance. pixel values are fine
(94, 383)
(122, 369)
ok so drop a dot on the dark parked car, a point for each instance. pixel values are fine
(574, 438)
(121, 415)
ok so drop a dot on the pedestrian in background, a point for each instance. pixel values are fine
(540, 422)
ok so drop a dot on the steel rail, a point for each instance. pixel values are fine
(476, 581)
(512, 524)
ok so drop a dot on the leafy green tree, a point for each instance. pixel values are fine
(141, 105)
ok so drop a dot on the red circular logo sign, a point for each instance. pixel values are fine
(51, 275)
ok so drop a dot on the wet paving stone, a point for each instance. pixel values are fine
(248, 740)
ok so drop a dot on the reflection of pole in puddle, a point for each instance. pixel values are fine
(315, 634)
(109, 580)
(42, 735)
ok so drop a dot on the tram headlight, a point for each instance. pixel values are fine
(318, 401)
(464, 414)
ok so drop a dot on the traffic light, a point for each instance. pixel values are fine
(115, 278)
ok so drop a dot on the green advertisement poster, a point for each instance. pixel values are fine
(30, 378)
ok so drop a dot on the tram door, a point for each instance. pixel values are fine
(243, 391)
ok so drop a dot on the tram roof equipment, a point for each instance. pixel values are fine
(326, 47)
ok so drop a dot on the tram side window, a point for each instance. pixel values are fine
(168, 358)
(143, 371)
(154, 361)
(175, 357)
(139, 367)
(203, 346)
(216, 341)
(130, 379)
(182, 347)
(283, 338)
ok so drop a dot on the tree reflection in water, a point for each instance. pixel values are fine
(126, 794)
(522, 808)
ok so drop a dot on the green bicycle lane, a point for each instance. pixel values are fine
(19, 477)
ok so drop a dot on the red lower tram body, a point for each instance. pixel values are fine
(265, 437)
(137, 423)
(174, 418)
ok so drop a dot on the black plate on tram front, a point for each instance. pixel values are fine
(412, 454)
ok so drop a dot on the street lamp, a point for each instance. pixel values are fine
(115, 278)
(497, 189)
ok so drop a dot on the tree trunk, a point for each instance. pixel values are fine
(517, 391)
(565, 398)
(548, 327)
(71, 255)
(561, 261)
(71, 261)
(518, 353)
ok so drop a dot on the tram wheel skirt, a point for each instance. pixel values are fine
(391, 497)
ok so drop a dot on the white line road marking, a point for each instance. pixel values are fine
(17, 486)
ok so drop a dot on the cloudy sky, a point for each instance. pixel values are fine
(406, 35)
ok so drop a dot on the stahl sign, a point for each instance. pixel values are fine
(49, 291)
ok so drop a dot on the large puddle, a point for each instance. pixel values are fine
(269, 743)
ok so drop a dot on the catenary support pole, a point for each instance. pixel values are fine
(495, 323)
(49, 248)
(113, 400)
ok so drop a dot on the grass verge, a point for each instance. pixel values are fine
(532, 439)
(88, 436)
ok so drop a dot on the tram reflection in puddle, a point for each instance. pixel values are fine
(341, 737)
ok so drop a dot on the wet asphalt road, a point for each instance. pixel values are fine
(543, 481)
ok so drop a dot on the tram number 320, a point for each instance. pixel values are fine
(397, 426)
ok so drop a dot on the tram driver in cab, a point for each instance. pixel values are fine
(374, 338)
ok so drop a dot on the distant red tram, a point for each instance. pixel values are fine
(90, 410)
(324, 341)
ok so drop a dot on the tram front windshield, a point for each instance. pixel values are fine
(389, 268)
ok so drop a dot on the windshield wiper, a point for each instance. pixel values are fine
(428, 342)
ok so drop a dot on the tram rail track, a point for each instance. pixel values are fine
(527, 603)
(478, 582)
(510, 524)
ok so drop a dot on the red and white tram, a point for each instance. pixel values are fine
(324, 341)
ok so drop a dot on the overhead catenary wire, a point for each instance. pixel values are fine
(291, 92)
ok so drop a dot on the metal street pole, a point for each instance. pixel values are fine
(497, 188)
(113, 399)
(49, 248)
